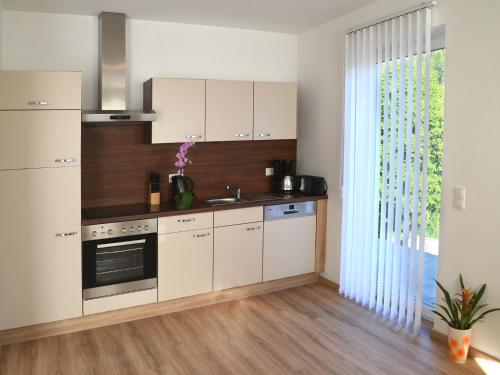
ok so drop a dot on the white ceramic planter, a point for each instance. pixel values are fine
(458, 344)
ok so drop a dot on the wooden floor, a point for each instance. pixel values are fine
(304, 330)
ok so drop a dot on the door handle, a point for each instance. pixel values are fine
(241, 135)
(66, 234)
(39, 102)
(186, 220)
(193, 136)
(201, 235)
(253, 228)
(66, 160)
(263, 134)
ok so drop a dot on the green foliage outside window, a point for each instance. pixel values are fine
(436, 120)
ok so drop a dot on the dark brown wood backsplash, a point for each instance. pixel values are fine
(117, 159)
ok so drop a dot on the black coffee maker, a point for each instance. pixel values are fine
(282, 168)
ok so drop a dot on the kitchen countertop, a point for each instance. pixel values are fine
(102, 215)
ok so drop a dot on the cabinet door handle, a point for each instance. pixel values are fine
(193, 136)
(66, 234)
(39, 102)
(253, 228)
(201, 235)
(263, 134)
(66, 160)
(186, 220)
(242, 135)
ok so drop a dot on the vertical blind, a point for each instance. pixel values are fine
(387, 70)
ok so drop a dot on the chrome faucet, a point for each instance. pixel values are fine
(235, 189)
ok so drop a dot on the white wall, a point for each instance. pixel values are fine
(1, 30)
(69, 42)
(469, 240)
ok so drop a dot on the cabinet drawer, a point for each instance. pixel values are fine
(119, 301)
(181, 223)
(238, 216)
(40, 90)
(35, 139)
(185, 264)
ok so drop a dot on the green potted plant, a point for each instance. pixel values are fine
(181, 184)
(461, 312)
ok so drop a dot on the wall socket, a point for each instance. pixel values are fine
(170, 175)
(270, 171)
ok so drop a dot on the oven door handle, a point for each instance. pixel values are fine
(122, 243)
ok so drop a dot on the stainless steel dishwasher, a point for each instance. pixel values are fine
(289, 240)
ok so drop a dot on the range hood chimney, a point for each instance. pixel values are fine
(113, 74)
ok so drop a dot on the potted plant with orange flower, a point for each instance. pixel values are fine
(461, 312)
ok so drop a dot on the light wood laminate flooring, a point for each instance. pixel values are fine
(304, 330)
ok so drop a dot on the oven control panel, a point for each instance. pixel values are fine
(119, 229)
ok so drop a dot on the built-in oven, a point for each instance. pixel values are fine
(119, 257)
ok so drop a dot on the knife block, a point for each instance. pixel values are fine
(154, 198)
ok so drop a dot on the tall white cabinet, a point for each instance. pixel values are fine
(40, 209)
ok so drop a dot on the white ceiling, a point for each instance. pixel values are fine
(288, 16)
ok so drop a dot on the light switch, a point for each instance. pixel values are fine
(459, 198)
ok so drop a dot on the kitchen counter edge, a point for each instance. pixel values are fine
(198, 206)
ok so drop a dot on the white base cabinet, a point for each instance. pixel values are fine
(289, 247)
(237, 255)
(185, 263)
(40, 246)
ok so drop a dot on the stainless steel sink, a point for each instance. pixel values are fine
(221, 201)
(257, 197)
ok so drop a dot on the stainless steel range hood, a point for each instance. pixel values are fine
(113, 74)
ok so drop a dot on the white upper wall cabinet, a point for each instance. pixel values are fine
(39, 90)
(275, 110)
(180, 104)
(229, 110)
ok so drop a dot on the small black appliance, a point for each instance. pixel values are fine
(282, 168)
(311, 185)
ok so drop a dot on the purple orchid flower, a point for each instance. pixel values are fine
(182, 159)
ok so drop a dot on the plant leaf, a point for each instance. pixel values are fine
(482, 316)
(461, 282)
(478, 295)
(446, 296)
(450, 323)
(459, 312)
(445, 309)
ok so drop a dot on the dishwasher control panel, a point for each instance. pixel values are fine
(284, 211)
